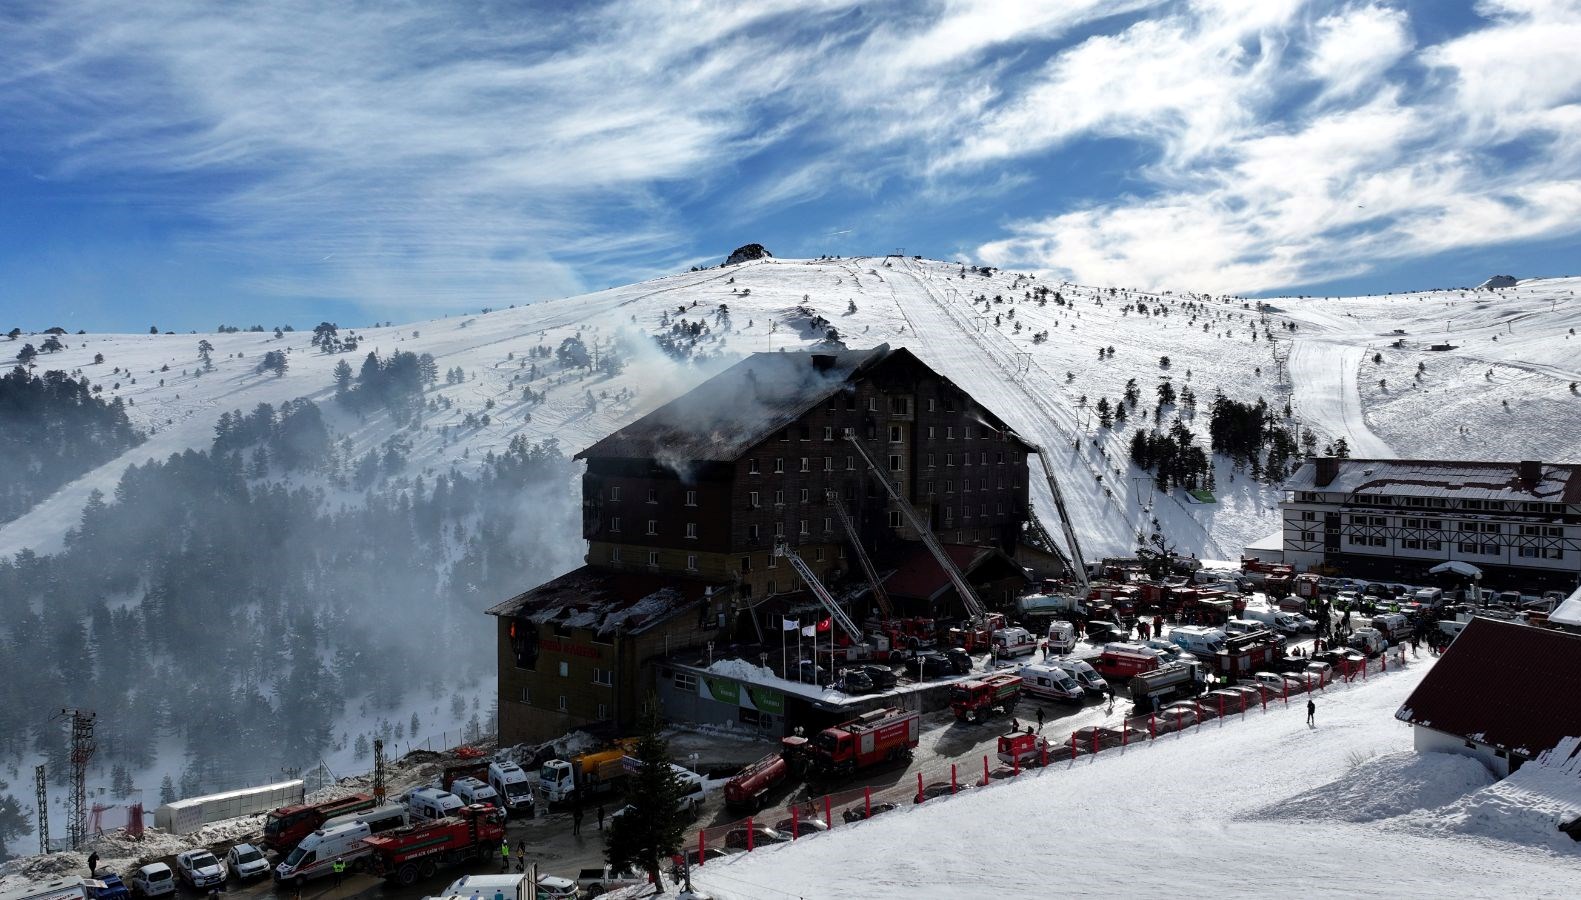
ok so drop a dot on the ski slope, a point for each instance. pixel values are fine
(1501, 394)
(1256, 808)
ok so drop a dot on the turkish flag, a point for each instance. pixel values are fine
(825, 625)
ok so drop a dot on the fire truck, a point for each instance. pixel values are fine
(974, 700)
(1023, 748)
(1245, 654)
(1120, 661)
(404, 855)
(750, 788)
(882, 735)
(285, 827)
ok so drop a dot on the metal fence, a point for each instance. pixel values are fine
(830, 811)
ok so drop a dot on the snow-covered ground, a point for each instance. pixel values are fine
(1522, 334)
(1255, 808)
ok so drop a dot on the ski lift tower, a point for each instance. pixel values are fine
(1023, 362)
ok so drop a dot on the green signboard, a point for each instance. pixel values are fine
(765, 700)
(723, 691)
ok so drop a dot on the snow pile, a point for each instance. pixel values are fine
(1177, 798)
(741, 670)
(1527, 808)
(1386, 786)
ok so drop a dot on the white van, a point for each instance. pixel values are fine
(1014, 641)
(1198, 639)
(1061, 638)
(432, 803)
(1430, 596)
(1243, 626)
(471, 791)
(511, 783)
(378, 819)
(484, 886)
(1049, 682)
(316, 855)
(1085, 675)
(153, 880)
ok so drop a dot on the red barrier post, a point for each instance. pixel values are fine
(749, 834)
(1073, 746)
(1263, 697)
(1152, 726)
(867, 801)
(795, 822)
(1284, 689)
(1094, 742)
(1383, 660)
(1199, 714)
(1044, 750)
(1125, 733)
(702, 848)
(953, 785)
(1221, 710)
(828, 812)
(1015, 764)
(919, 787)
(985, 770)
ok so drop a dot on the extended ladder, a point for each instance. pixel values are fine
(819, 591)
(1078, 564)
(861, 555)
(974, 607)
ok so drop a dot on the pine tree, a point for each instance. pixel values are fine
(167, 790)
(342, 378)
(13, 823)
(651, 829)
(361, 746)
(416, 723)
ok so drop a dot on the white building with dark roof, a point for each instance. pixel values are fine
(1519, 522)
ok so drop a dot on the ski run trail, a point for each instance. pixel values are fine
(1501, 393)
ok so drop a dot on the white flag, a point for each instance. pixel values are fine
(810, 631)
(788, 624)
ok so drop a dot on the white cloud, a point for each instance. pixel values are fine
(1355, 46)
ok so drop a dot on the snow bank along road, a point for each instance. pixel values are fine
(1205, 814)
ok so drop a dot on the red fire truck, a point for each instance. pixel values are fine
(880, 736)
(1023, 748)
(750, 788)
(974, 700)
(418, 851)
(285, 827)
(1119, 662)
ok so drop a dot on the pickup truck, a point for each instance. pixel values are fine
(593, 882)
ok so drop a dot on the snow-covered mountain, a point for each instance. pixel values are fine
(1502, 391)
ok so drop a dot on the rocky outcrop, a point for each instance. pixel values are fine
(1497, 281)
(747, 252)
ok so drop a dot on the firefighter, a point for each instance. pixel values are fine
(339, 868)
(505, 856)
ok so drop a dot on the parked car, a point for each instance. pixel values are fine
(1102, 630)
(854, 681)
(860, 812)
(1169, 650)
(812, 673)
(1175, 717)
(200, 869)
(761, 834)
(883, 677)
(929, 664)
(153, 880)
(709, 855)
(246, 861)
(114, 888)
(807, 825)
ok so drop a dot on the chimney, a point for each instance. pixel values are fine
(822, 362)
(1531, 472)
(1327, 470)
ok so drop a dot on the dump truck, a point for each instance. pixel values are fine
(975, 700)
(285, 827)
(883, 735)
(414, 852)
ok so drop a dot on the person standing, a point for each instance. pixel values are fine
(93, 863)
(601, 815)
(576, 820)
(339, 868)
(1311, 713)
(1040, 720)
(505, 856)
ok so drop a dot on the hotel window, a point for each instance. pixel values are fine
(565, 669)
(949, 404)
(653, 526)
(691, 562)
(752, 500)
(804, 495)
(804, 432)
(872, 404)
(850, 464)
(828, 432)
(779, 465)
(653, 557)
(614, 492)
(894, 434)
(894, 462)
(949, 459)
(602, 711)
(894, 518)
(806, 464)
(930, 460)
(562, 703)
(949, 432)
(603, 676)
(966, 432)
(828, 525)
(752, 535)
(779, 529)
(779, 498)
(691, 530)
(932, 404)
(752, 466)
(828, 464)
(803, 529)
(526, 696)
(900, 406)
(691, 498)
(817, 555)
(614, 554)
(614, 524)
(927, 486)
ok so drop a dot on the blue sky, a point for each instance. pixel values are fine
(188, 164)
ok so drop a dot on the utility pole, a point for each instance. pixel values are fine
(43, 809)
(378, 771)
(82, 747)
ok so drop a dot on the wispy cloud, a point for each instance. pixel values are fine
(423, 155)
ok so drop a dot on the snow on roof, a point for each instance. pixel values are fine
(1569, 612)
(1469, 692)
(1443, 478)
(604, 600)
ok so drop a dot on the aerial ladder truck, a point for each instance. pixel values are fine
(1078, 563)
(915, 633)
(979, 634)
